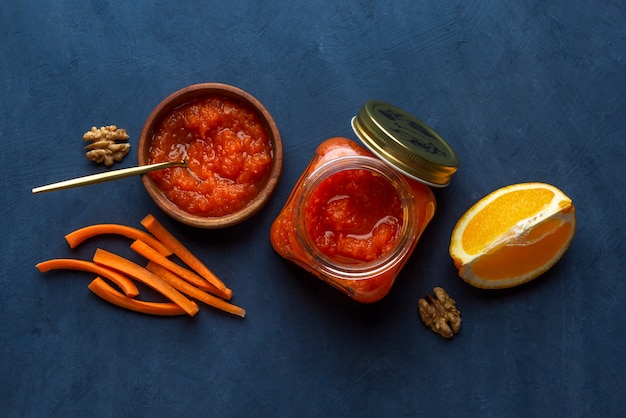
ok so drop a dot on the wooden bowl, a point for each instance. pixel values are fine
(186, 95)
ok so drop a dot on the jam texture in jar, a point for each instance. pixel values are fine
(342, 222)
(356, 213)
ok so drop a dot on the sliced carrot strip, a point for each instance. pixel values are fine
(151, 254)
(159, 231)
(194, 292)
(146, 277)
(124, 283)
(106, 292)
(75, 238)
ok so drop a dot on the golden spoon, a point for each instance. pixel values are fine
(108, 176)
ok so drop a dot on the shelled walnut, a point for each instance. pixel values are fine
(103, 147)
(440, 313)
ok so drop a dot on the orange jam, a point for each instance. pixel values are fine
(352, 220)
(346, 223)
(227, 150)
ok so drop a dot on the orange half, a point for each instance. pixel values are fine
(513, 235)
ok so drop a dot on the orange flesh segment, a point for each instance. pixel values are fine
(501, 215)
(506, 262)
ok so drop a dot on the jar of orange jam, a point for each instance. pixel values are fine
(356, 213)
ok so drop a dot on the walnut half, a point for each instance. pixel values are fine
(440, 313)
(103, 147)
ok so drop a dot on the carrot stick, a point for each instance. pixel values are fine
(106, 292)
(77, 237)
(193, 291)
(124, 283)
(151, 254)
(146, 277)
(159, 231)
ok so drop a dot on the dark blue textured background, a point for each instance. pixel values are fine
(524, 91)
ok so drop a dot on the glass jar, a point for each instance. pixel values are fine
(356, 213)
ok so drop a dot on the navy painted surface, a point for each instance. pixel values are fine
(524, 91)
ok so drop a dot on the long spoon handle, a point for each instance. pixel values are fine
(108, 176)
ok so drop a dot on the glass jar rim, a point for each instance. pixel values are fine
(355, 270)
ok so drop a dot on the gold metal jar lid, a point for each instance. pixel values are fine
(405, 142)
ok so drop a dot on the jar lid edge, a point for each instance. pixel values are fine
(405, 142)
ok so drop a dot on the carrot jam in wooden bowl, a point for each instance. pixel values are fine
(227, 151)
(232, 149)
